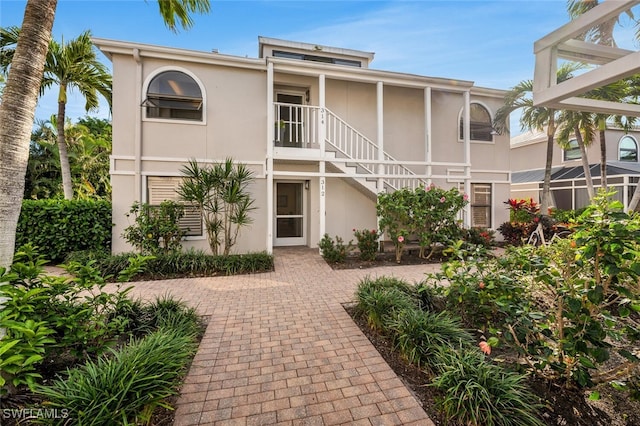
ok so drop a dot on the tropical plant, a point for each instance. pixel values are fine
(520, 97)
(221, 191)
(429, 214)
(17, 112)
(581, 126)
(478, 392)
(334, 252)
(89, 148)
(367, 242)
(70, 66)
(20, 97)
(156, 229)
(419, 334)
(126, 386)
(379, 300)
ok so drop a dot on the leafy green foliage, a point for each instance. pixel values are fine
(334, 252)
(192, 263)
(480, 236)
(47, 316)
(426, 214)
(221, 191)
(566, 307)
(381, 299)
(59, 227)
(89, 147)
(367, 242)
(418, 334)
(126, 386)
(480, 393)
(23, 345)
(155, 229)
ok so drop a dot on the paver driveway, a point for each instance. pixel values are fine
(280, 349)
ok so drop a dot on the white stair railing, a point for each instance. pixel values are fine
(298, 126)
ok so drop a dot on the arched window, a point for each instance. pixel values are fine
(628, 149)
(481, 129)
(174, 95)
(572, 151)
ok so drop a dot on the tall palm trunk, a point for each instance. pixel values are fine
(603, 157)
(545, 200)
(585, 162)
(65, 168)
(16, 116)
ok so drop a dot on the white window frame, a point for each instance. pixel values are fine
(460, 117)
(565, 150)
(145, 88)
(634, 141)
(490, 205)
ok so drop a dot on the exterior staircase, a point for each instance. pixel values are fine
(304, 127)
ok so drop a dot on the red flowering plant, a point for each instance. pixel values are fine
(367, 242)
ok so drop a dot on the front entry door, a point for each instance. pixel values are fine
(290, 221)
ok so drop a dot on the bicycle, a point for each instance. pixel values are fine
(537, 237)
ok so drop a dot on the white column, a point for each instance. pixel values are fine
(322, 133)
(427, 132)
(380, 134)
(467, 155)
(137, 177)
(269, 162)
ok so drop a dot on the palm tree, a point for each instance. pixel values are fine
(582, 125)
(74, 66)
(17, 112)
(603, 34)
(20, 96)
(69, 66)
(520, 97)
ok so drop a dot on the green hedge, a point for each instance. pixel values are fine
(59, 227)
(191, 263)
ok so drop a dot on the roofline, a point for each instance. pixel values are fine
(110, 47)
(312, 47)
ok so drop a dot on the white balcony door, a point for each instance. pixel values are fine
(290, 220)
(290, 123)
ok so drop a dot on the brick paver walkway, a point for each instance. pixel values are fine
(280, 349)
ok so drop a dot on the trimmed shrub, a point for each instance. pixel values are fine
(191, 263)
(59, 227)
(367, 242)
(334, 252)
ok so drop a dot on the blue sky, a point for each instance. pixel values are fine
(488, 42)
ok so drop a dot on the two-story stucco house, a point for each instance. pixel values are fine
(323, 132)
(568, 185)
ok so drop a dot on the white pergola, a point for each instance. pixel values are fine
(613, 64)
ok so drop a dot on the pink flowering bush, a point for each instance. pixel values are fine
(427, 214)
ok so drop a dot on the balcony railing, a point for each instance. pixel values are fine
(298, 126)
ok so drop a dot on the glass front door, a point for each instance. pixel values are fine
(290, 125)
(290, 219)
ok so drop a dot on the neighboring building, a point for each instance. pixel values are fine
(568, 186)
(322, 131)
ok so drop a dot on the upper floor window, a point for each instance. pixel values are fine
(316, 58)
(572, 151)
(174, 95)
(481, 124)
(628, 149)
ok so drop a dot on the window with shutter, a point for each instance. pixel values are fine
(481, 205)
(161, 188)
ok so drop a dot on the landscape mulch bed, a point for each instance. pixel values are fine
(561, 406)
